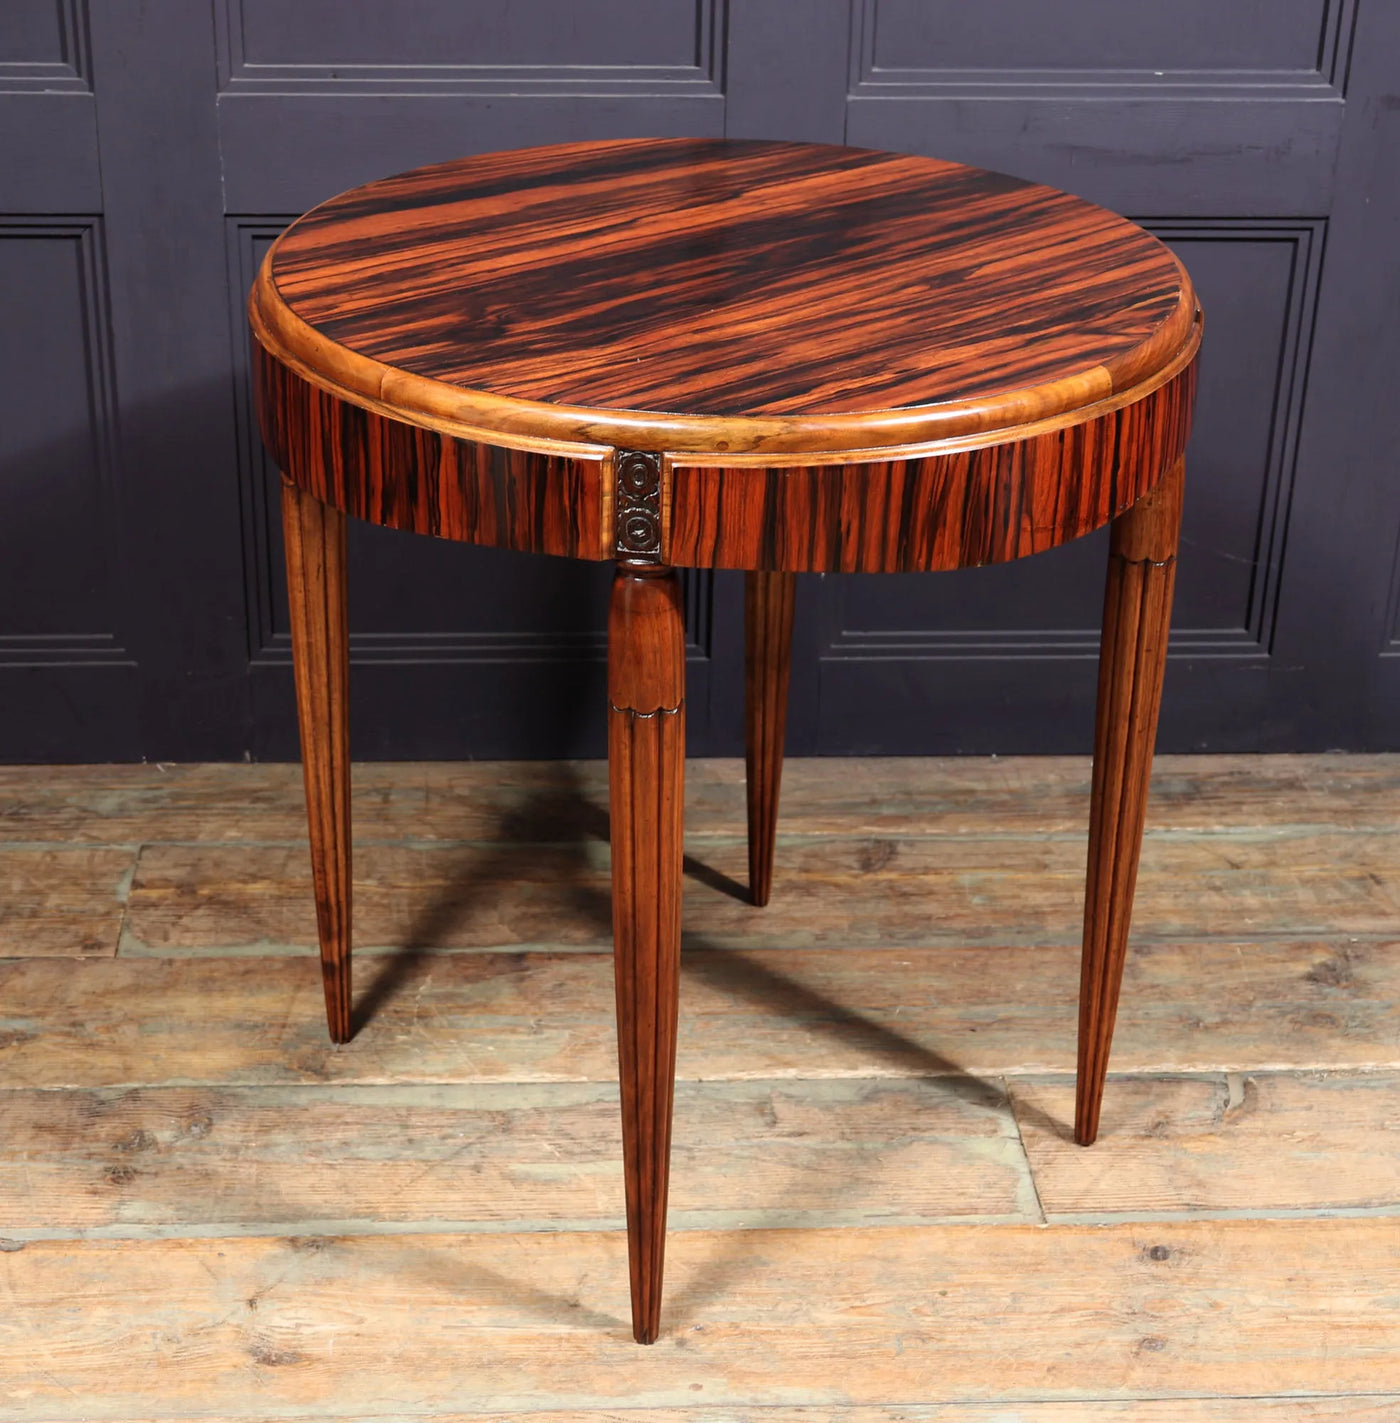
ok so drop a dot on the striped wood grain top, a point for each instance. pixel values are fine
(723, 296)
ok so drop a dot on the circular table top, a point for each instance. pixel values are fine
(714, 295)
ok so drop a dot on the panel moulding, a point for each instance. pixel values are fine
(77, 649)
(1326, 81)
(704, 76)
(1254, 637)
(469, 646)
(97, 648)
(1307, 238)
(69, 71)
(1010, 645)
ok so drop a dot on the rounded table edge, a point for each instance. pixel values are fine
(561, 429)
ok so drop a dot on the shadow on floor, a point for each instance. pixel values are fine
(565, 812)
(561, 814)
(739, 975)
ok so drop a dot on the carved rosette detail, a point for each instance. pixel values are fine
(638, 537)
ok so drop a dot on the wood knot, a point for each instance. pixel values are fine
(876, 855)
(1334, 972)
(308, 1244)
(273, 1357)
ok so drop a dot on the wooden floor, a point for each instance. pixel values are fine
(208, 1211)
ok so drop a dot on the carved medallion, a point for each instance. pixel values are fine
(638, 507)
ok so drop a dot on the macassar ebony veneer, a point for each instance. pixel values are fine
(770, 356)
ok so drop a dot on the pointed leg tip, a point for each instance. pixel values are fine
(1085, 1135)
(759, 895)
(340, 1015)
(646, 1333)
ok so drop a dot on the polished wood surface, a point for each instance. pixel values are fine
(952, 508)
(1132, 661)
(768, 608)
(769, 356)
(314, 535)
(952, 367)
(962, 504)
(646, 757)
(418, 478)
(706, 295)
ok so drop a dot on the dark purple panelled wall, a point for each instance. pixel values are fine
(150, 150)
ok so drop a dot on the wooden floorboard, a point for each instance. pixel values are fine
(150, 1161)
(64, 901)
(553, 801)
(875, 1316)
(814, 1013)
(836, 891)
(170, 1160)
(209, 1212)
(1316, 1408)
(1243, 1142)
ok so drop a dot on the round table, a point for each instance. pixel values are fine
(770, 356)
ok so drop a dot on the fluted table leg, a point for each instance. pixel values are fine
(646, 753)
(768, 604)
(315, 538)
(1132, 660)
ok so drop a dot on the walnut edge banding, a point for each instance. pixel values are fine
(559, 429)
(953, 444)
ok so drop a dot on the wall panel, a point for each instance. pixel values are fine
(1230, 43)
(150, 149)
(489, 41)
(61, 593)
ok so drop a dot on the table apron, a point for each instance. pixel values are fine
(956, 509)
(959, 509)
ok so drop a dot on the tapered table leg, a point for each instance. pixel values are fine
(646, 754)
(1132, 660)
(768, 602)
(315, 538)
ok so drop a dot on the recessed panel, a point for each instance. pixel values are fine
(286, 153)
(1095, 34)
(1235, 464)
(31, 32)
(384, 33)
(1252, 289)
(417, 598)
(56, 528)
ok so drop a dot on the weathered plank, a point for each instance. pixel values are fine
(812, 1013)
(176, 1160)
(1312, 1409)
(819, 1086)
(843, 891)
(1243, 1142)
(485, 800)
(66, 903)
(410, 1324)
(550, 801)
(464, 896)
